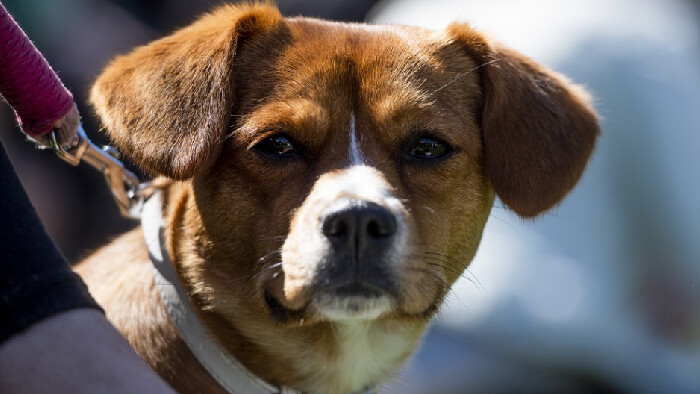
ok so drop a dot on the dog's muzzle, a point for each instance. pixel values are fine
(343, 253)
(356, 279)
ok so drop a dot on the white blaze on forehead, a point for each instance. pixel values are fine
(361, 182)
(356, 157)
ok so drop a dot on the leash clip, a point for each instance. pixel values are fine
(128, 192)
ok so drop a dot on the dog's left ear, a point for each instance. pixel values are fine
(166, 105)
(538, 128)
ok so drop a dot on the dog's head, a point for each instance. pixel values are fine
(337, 173)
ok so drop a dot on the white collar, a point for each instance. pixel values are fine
(221, 365)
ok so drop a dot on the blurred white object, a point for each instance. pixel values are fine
(607, 286)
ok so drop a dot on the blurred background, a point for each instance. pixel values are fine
(601, 295)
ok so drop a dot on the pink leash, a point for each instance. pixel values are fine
(27, 81)
(46, 113)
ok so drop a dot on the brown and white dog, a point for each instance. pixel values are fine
(329, 182)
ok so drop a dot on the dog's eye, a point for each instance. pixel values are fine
(276, 145)
(429, 148)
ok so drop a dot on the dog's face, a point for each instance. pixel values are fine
(351, 164)
(337, 174)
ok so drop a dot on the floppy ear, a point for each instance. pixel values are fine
(166, 105)
(538, 128)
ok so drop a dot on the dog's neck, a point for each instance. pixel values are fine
(224, 368)
(347, 357)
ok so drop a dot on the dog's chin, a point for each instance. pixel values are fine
(346, 303)
(336, 307)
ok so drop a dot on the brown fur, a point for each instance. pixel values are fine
(193, 105)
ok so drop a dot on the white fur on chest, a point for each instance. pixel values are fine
(368, 353)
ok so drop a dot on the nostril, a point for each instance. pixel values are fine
(335, 226)
(374, 229)
(381, 224)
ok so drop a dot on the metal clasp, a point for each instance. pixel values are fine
(127, 190)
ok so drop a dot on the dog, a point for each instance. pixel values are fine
(324, 184)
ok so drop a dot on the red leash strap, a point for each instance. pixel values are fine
(27, 81)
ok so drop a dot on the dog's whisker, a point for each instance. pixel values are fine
(450, 269)
(473, 278)
(335, 333)
(462, 75)
(276, 238)
(473, 275)
(249, 290)
(430, 273)
(247, 297)
(462, 275)
(274, 252)
(427, 208)
(507, 223)
(459, 299)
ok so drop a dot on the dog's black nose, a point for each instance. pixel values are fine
(358, 227)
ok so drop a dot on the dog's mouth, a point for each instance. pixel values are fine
(280, 312)
(351, 301)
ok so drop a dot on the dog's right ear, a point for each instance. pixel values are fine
(166, 105)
